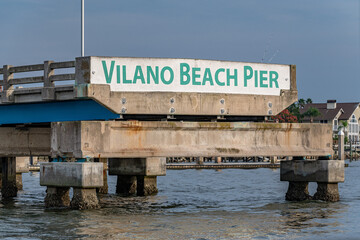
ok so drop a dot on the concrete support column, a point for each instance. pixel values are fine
(57, 197)
(9, 188)
(126, 185)
(84, 198)
(200, 161)
(327, 173)
(341, 150)
(0, 172)
(137, 175)
(146, 185)
(273, 159)
(105, 188)
(298, 191)
(19, 183)
(327, 192)
(218, 160)
(83, 177)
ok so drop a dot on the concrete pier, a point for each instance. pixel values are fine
(9, 187)
(84, 178)
(146, 185)
(327, 192)
(57, 197)
(105, 188)
(298, 191)
(137, 175)
(126, 185)
(327, 174)
(84, 198)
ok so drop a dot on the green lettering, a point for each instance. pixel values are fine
(256, 79)
(217, 77)
(162, 75)
(138, 75)
(118, 73)
(273, 78)
(184, 73)
(207, 77)
(155, 76)
(248, 74)
(262, 79)
(229, 76)
(108, 75)
(195, 76)
(125, 81)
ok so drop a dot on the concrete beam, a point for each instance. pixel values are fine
(141, 139)
(326, 171)
(24, 142)
(71, 174)
(152, 166)
(177, 103)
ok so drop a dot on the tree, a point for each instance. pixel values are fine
(343, 124)
(311, 113)
(301, 103)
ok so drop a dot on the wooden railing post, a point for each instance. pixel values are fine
(8, 89)
(48, 92)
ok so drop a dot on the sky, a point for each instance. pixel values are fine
(321, 37)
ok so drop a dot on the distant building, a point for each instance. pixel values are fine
(333, 113)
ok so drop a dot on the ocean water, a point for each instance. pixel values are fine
(191, 204)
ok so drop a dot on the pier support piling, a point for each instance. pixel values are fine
(19, 183)
(57, 197)
(126, 185)
(84, 198)
(83, 177)
(9, 188)
(327, 192)
(105, 188)
(146, 185)
(200, 161)
(137, 175)
(298, 191)
(327, 174)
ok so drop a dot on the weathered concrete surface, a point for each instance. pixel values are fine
(71, 174)
(105, 188)
(84, 198)
(17, 142)
(151, 166)
(138, 139)
(126, 185)
(19, 183)
(298, 191)
(196, 104)
(327, 192)
(57, 197)
(146, 185)
(327, 171)
(9, 188)
(22, 164)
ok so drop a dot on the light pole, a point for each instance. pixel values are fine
(82, 29)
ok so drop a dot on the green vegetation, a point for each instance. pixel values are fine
(292, 113)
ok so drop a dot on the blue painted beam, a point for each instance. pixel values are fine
(75, 110)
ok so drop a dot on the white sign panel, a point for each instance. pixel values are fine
(189, 75)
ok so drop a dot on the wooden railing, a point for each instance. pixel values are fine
(48, 78)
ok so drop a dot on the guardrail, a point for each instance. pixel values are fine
(48, 78)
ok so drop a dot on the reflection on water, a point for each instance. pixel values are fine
(191, 204)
